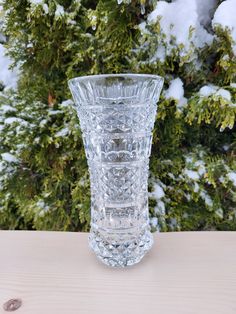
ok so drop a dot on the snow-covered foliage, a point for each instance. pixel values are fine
(180, 39)
(182, 33)
(225, 18)
(29, 148)
(8, 77)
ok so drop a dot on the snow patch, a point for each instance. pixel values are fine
(44, 208)
(62, 132)
(142, 27)
(59, 11)
(52, 112)
(226, 147)
(177, 19)
(160, 54)
(43, 123)
(66, 103)
(7, 77)
(204, 8)
(173, 223)
(206, 198)
(45, 8)
(154, 222)
(189, 159)
(232, 177)
(196, 187)
(36, 2)
(176, 91)
(160, 208)
(125, 1)
(221, 179)
(9, 158)
(224, 93)
(7, 108)
(220, 213)
(201, 170)
(225, 17)
(2, 166)
(209, 90)
(15, 120)
(193, 175)
(158, 192)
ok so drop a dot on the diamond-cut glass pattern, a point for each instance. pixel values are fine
(117, 114)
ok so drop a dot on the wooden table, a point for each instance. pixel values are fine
(55, 273)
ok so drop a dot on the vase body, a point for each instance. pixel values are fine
(117, 114)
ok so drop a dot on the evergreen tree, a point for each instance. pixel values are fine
(44, 182)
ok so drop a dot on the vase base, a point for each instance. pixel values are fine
(125, 250)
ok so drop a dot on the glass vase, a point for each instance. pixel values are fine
(117, 114)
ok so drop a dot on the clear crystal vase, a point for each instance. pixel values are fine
(117, 114)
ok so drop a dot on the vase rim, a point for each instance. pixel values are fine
(128, 75)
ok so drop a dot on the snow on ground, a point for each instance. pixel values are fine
(7, 77)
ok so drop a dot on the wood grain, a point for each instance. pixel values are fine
(55, 273)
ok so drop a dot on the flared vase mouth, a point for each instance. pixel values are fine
(105, 89)
(120, 75)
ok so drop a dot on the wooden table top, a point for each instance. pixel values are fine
(56, 273)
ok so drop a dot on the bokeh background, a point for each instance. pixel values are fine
(44, 181)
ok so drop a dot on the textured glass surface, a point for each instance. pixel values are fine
(117, 114)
